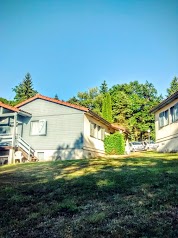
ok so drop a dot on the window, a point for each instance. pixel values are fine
(92, 129)
(163, 118)
(40, 156)
(38, 128)
(166, 118)
(97, 131)
(174, 113)
(102, 133)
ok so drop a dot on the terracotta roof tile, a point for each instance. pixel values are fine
(118, 127)
(39, 96)
(14, 109)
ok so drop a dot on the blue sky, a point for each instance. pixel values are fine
(70, 46)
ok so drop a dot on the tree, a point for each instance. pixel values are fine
(107, 108)
(131, 105)
(104, 87)
(5, 101)
(91, 99)
(56, 96)
(173, 86)
(25, 89)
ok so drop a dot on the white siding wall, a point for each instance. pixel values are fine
(167, 136)
(93, 146)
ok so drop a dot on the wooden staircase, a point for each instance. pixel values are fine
(27, 151)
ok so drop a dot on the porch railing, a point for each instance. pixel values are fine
(25, 147)
(5, 139)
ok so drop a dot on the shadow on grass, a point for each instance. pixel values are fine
(134, 196)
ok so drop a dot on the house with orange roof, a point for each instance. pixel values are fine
(44, 129)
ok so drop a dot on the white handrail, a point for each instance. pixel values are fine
(25, 146)
(6, 138)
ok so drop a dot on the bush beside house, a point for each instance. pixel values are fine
(114, 144)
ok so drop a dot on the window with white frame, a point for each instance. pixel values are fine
(174, 113)
(102, 133)
(163, 119)
(97, 131)
(92, 129)
(38, 128)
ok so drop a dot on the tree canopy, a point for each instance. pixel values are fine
(131, 104)
(126, 104)
(25, 89)
(91, 99)
(173, 86)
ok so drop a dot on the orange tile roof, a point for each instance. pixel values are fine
(9, 107)
(118, 127)
(39, 96)
(14, 109)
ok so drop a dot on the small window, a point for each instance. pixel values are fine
(40, 156)
(92, 129)
(161, 119)
(102, 133)
(99, 133)
(96, 131)
(174, 113)
(38, 128)
(164, 118)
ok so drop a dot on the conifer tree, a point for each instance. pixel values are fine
(104, 87)
(25, 89)
(56, 96)
(107, 108)
(173, 86)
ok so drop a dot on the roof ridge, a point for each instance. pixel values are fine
(39, 96)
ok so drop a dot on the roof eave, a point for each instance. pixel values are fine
(165, 102)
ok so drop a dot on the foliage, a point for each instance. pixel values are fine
(173, 86)
(104, 87)
(114, 144)
(56, 96)
(131, 107)
(91, 99)
(5, 101)
(25, 89)
(8, 102)
(130, 196)
(107, 108)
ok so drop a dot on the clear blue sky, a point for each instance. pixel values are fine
(70, 46)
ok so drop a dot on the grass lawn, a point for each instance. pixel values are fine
(133, 196)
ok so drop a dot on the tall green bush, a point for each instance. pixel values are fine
(107, 108)
(114, 144)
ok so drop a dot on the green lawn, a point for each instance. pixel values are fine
(133, 196)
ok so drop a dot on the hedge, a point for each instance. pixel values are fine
(114, 144)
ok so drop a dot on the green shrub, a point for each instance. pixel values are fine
(114, 144)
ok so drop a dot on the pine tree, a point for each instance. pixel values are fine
(173, 86)
(25, 89)
(104, 88)
(56, 96)
(107, 108)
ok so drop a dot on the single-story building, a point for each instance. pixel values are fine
(166, 124)
(50, 129)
